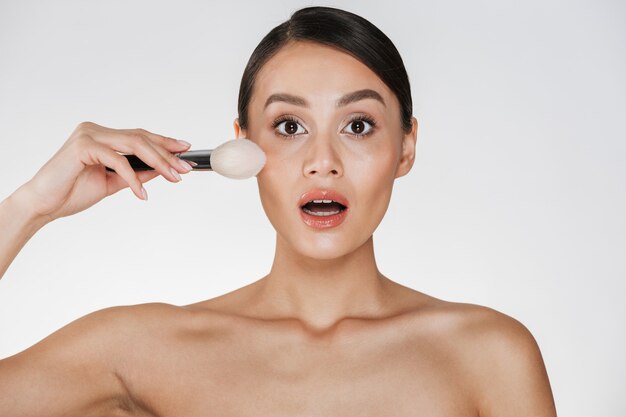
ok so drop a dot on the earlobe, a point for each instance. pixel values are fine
(239, 132)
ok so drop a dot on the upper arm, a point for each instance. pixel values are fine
(509, 369)
(71, 372)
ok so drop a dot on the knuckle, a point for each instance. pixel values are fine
(137, 136)
(171, 156)
(144, 147)
(86, 125)
(83, 128)
(81, 140)
(165, 165)
(120, 159)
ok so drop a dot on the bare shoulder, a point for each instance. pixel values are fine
(151, 322)
(107, 333)
(80, 366)
(122, 323)
(474, 322)
(501, 358)
(141, 315)
(103, 337)
(485, 333)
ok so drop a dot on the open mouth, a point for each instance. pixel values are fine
(323, 208)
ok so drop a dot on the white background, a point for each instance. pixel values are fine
(516, 200)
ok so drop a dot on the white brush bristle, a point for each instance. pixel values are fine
(238, 159)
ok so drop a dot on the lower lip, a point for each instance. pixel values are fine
(323, 222)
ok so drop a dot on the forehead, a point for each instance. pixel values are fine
(316, 72)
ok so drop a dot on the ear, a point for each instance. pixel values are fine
(239, 132)
(408, 150)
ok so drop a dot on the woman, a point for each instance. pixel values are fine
(326, 96)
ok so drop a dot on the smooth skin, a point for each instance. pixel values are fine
(324, 333)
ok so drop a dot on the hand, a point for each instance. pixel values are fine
(75, 178)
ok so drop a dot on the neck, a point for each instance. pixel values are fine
(321, 292)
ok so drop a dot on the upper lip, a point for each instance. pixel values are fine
(322, 194)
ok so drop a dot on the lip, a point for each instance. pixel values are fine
(326, 221)
(323, 194)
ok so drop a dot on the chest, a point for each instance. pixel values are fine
(288, 377)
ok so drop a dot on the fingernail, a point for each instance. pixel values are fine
(144, 193)
(175, 174)
(184, 165)
(182, 142)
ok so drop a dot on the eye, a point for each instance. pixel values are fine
(360, 126)
(288, 126)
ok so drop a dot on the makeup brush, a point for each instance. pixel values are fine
(237, 159)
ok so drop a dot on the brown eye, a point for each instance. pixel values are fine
(359, 127)
(289, 128)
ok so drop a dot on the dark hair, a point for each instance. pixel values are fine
(340, 29)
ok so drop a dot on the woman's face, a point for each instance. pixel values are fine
(317, 136)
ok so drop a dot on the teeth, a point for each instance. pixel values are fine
(323, 201)
(321, 214)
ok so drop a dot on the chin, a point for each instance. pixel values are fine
(326, 244)
(323, 253)
(325, 247)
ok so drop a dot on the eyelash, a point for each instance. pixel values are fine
(355, 118)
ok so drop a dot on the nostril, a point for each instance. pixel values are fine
(324, 171)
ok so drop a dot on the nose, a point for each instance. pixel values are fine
(322, 158)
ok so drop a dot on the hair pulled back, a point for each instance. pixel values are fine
(343, 30)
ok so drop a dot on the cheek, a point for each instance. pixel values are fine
(275, 183)
(375, 179)
(268, 176)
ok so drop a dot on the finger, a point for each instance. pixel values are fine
(113, 136)
(106, 134)
(171, 144)
(101, 154)
(116, 183)
(167, 147)
(145, 145)
(178, 164)
(145, 176)
(142, 148)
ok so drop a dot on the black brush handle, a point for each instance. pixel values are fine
(202, 159)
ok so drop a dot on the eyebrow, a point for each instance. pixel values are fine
(343, 101)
